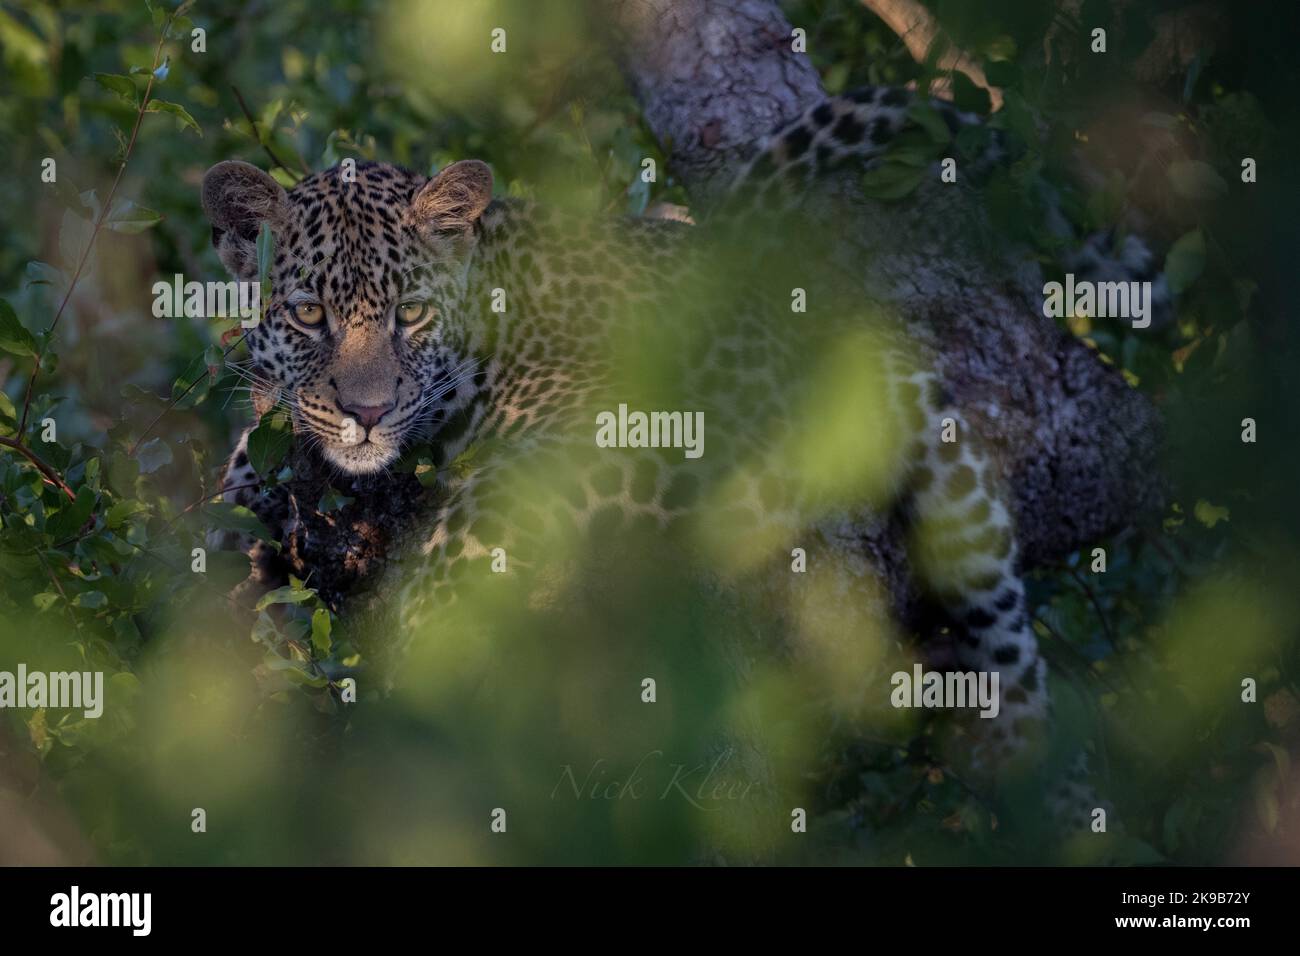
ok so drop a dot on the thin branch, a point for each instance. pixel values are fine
(17, 444)
(99, 222)
(220, 491)
(258, 136)
(51, 476)
(175, 401)
(59, 587)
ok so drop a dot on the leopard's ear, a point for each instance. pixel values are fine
(238, 198)
(448, 205)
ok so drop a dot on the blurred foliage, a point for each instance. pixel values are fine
(97, 566)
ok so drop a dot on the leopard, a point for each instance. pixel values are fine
(423, 310)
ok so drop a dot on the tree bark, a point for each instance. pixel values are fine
(712, 80)
(1079, 445)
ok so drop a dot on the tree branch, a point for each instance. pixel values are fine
(1078, 443)
(712, 79)
(51, 476)
(919, 32)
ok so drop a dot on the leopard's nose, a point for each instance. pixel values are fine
(367, 416)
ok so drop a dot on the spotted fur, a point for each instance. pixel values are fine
(526, 382)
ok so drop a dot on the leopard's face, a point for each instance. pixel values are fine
(368, 288)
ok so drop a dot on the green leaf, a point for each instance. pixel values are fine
(89, 200)
(1185, 261)
(1017, 117)
(1210, 514)
(225, 569)
(183, 117)
(1001, 73)
(69, 519)
(321, 627)
(973, 141)
(119, 84)
(425, 472)
(123, 471)
(968, 97)
(265, 257)
(928, 118)
(127, 217)
(136, 395)
(152, 455)
(892, 181)
(214, 357)
(124, 682)
(90, 599)
(295, 672)
(45, 600)
(14, 338)
(271, 113)
(269, 442)
(42, 273)
(284, 595)
(332, 500)
(225, 516)
(122, 510)
(192, 387)
(8, 414)
(1196, 180)
(913, 156)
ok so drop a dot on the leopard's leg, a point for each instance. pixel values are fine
(964, 548)
(477, 535)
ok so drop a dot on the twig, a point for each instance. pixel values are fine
(258, 136)
(99, 222)
(220, 491)
(175, 401)
(47, 472)
(59, 587)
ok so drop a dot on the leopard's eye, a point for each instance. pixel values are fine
(309, 313)
(412, 313)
